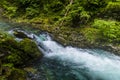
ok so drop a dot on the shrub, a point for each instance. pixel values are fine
(109, 30)
(31, 12)
(112, 11)
(93, 5)
(91, 34)
(76, 16)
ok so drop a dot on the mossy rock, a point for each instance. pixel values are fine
(11, 73)
(15, 56)
(10, 51)
(20, 34)
(25, 52)
(18, 53)
(17, 74)
(30, 49)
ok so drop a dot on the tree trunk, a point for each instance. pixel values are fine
(67, 11)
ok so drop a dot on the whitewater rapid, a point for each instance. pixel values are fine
(96, 64)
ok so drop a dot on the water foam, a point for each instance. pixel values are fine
(99, 64)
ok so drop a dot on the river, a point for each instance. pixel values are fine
(69, 63)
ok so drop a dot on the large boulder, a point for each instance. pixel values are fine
(23, 52)
(15, 55)
(18, 53)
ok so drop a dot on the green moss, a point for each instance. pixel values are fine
(30, 48)
(24, 52)
(18, 53)
(3, 78)
(11, 73)
(17, 74)
(15, 56)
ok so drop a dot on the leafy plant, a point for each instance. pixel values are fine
(109, 30)
(111, 11)
(91, 34)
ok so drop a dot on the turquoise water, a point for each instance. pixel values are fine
(69, 63)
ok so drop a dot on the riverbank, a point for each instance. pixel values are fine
(75, 37)
(95, 28)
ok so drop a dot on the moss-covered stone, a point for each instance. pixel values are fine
(30, 49)
(23, 52)
(14, 55)
(17, 74)
(11, 73)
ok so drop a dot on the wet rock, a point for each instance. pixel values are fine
(78, 40)
(20, 34)
(111, 48)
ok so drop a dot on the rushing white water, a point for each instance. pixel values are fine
(97, 64)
